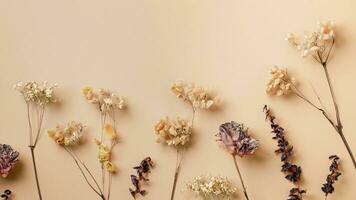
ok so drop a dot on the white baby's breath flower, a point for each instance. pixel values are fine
(280, 83)
(39, 93)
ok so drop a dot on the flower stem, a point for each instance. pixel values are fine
(32, 148)
(176, 173)
(242, 182)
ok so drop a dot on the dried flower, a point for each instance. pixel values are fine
(280, 82)
(106, 100)
(212, 187)
(67, 135)
(142, 171)
(328, 187)
(235, 139)
(38, 93)
(6, 195)
(199, 97)
(314, 43)
(8, 159)
(173, 132)
(293, 172)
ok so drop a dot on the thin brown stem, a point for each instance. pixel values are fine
(242, 182)
(32, 148)
(41, 114)
(176, 173)
(29, 125)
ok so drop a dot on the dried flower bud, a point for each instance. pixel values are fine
(328, 187)
(235, 139)
(8, 159)
(67, 135)
(280, 82)
(106, 100)
(173, 132)
(142, 171)
(38, 93)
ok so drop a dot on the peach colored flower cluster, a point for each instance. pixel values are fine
(106, 100)
(175, 132)
(67, 135)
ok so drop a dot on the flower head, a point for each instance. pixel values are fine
(212, 187)
(199, 97)
(235, 139)
(173, 132)
(315, 43)
(36, 92)
(8, 159)
(67, 135)
(106, 100)
(280, 82)
(328, 187)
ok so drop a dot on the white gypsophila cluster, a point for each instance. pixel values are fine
(215, 187)
(67, 135)
(40, 93)
(175, 132)
(314, 43)
(106, 100)
(199, 97)
(280, 82)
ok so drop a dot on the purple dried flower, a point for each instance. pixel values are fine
(235, 139)
(328, 187)
(142, 170)
(8, 159)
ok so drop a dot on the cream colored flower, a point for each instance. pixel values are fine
(280, 83)
(36, 92)
(109, 166)
(67, 135)
(199, 97)
(173, 132)
(104, 153)
(326, 30)
(106, 100)
(212, 187)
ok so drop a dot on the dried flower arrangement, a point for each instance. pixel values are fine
(317, 45)
(108, 104)
(37, 97)
(177, 132)
(293, 172)
(235, 139)
(6, 195)
(142, 170)
(328, 187)
(8, 159)
(214, 187)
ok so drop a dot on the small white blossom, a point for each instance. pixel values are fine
(280, 83)
(38, 93)
(67, 135)
(106, 100)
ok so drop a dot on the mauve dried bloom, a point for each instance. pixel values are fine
(6, 195)
(328, 187)
(38, 93)
(67, 135)
(142, 171)
(199, 97)
(175, 132)
(280, 82)
(293, 172)
(214, 187)
(8, 159)
(235, 139)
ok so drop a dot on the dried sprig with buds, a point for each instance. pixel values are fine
(318, 45)
(108, 104)
(142, 170)
(235, 139)
(328, 187)
(293, 172)
(214, 187)
(37, 96)
(177, 132)
(8, 159)
(6, 195)
(68, 136)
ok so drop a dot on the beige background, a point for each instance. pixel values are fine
(138, 48)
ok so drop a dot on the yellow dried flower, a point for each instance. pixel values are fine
(110, 131)
(109, 166)
(280, 83)
(104, 153)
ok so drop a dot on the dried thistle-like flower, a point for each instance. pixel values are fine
(328, 187)
(315, 43)
(142, 171)
(106, 100)
(280, 82)
(199, 97)
(8, 159)
(173, 132)
(212, 187)
(67, 135)
(293, 172)
(38, 93)
(235, 139)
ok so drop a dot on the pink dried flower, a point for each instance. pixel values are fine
(8, 159)
(235, 139)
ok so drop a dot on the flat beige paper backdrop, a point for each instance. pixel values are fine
(138, 48)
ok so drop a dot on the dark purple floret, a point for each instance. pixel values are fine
(142, 171)
(328, 187)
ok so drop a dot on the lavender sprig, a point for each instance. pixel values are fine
(293, 172)
(328, 187)
(142, 170)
